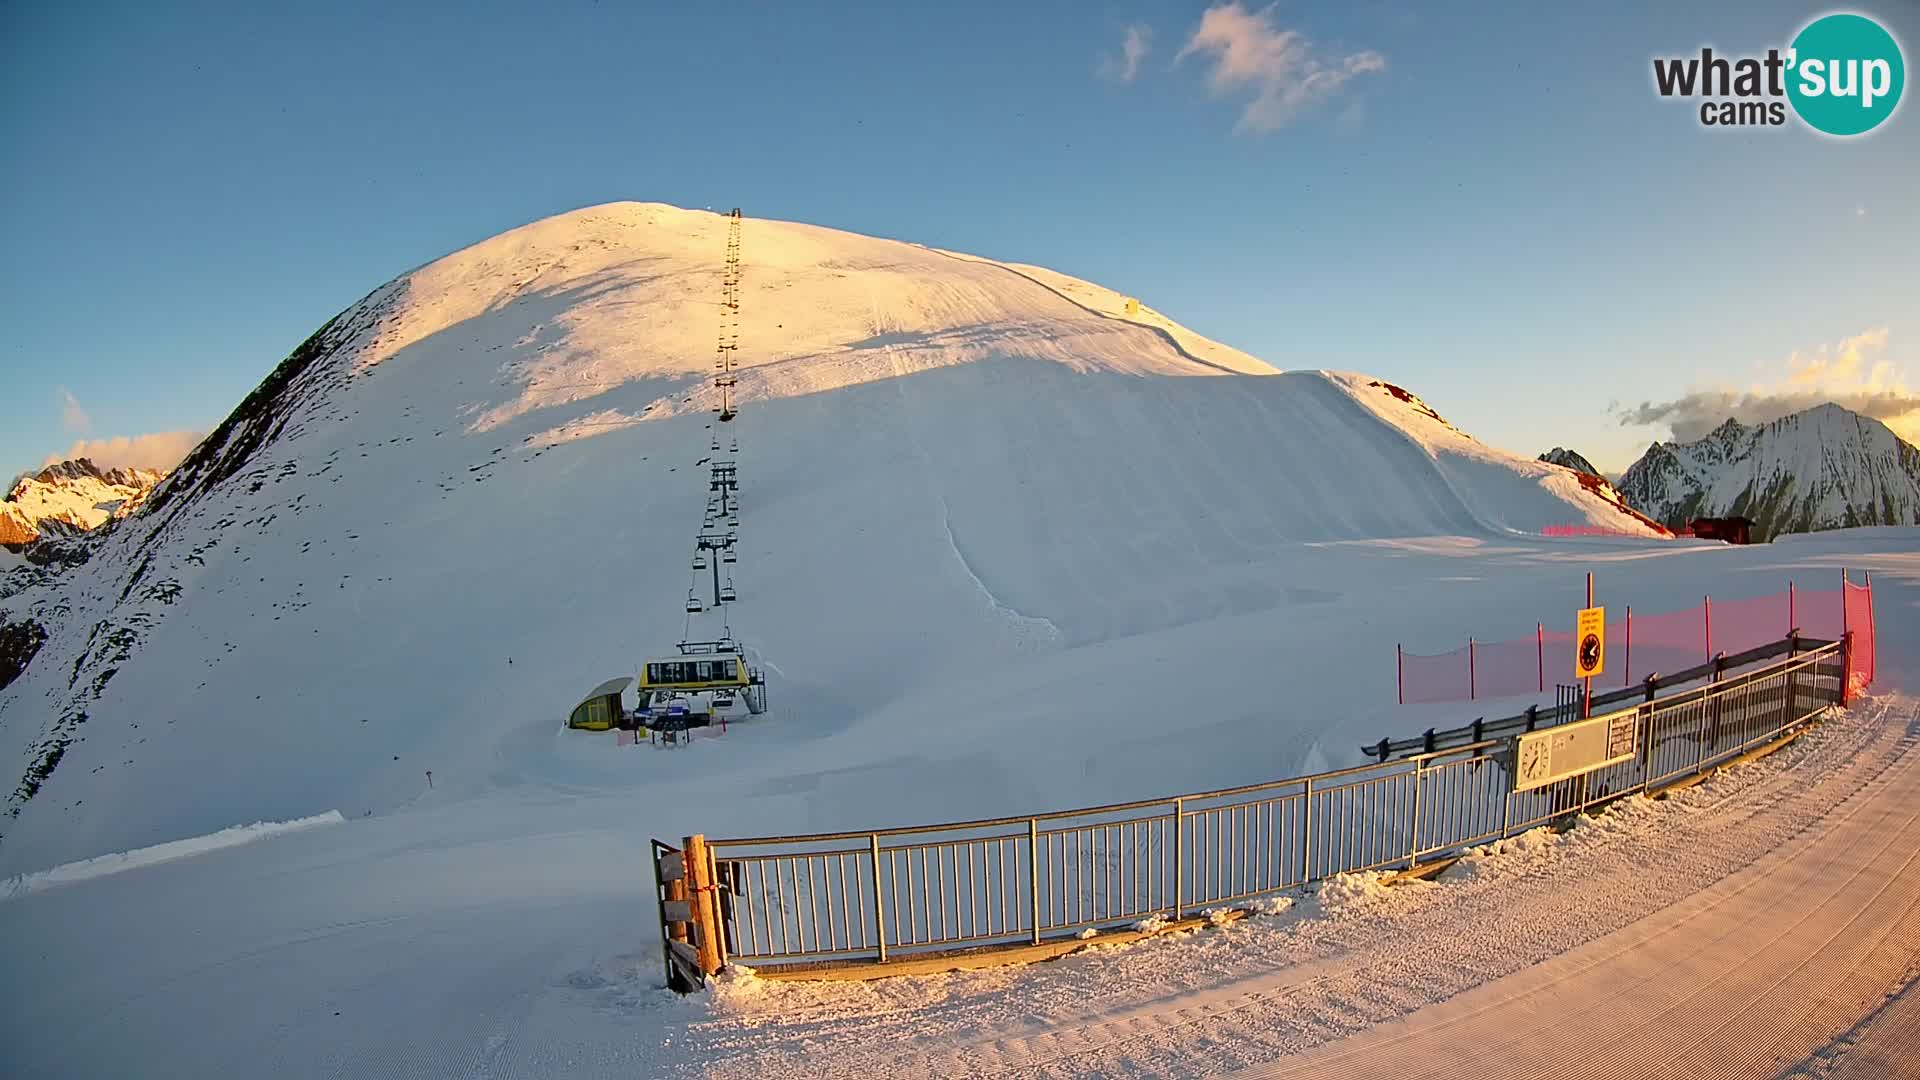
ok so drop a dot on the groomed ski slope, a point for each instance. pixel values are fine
(508, 936)
(979, 499)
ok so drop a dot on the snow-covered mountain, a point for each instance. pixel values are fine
(1823, 468)
(472, 495)
(71, 497)
(1561, 456)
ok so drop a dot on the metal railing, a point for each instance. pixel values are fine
(1646, 690)
(966, 886)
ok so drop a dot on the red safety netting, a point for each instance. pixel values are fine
(1446, 677)
(1508, 667)
(1858, 613)
(1591, 530)
(1639, 645)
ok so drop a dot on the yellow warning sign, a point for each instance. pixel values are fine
(1590, 642)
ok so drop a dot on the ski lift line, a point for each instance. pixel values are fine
(722, 477)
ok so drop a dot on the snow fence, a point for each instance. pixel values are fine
(1639, 645)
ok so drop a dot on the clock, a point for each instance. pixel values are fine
(1535, 760)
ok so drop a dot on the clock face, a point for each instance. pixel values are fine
(1533, 760)
(1590, 652)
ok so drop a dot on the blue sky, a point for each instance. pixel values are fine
(1489, 205)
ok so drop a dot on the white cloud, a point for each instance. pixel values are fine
(1855, 374)
(72, 416)
(1133, 49)
(159, 450)
(1282, 69)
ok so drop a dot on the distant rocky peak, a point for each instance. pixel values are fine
(1824, 467)
(1570, 459)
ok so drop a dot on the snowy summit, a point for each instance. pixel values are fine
(69, 497)
(1821, 468)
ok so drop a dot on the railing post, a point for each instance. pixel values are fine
(1033, 875)
(1306, 830)
(1846, 660)
(879, 905)
(1413, 825)
(1873, 653)
(1179, 864)
(1706, 623)
(1643, 726)
(1793, 647)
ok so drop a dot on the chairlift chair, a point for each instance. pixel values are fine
(699, 561)
(693, 604)
(726, 593)
(727, 556)
(733, 522)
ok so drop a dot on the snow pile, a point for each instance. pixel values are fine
(102, 865)
(737, 989)
(1271, 905)
(1503, 856)
(1367, 891)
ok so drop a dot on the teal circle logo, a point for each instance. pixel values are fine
(1845, 74)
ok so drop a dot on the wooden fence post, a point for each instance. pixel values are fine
(706, 913)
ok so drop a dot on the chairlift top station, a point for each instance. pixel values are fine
(680, 691)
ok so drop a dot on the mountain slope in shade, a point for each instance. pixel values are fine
(71, 497)
(1822, 468)
(472, 495)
